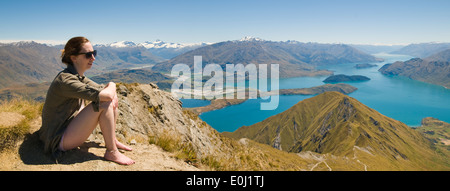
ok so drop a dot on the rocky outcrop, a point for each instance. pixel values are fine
(277, 141)
(145, 112)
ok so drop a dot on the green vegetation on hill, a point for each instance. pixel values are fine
(438, 132)
(336, 124)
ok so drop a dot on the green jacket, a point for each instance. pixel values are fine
(63, 101)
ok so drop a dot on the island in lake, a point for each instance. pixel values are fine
(345, 78)
(221, 103)
(361, 66)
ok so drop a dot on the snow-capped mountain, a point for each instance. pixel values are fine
(122, 44)
(166, 50)
(161, 44)
(250, 38)
(154, 45)
(169, 50)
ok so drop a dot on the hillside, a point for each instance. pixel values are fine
(337, 125)
(434, 69)
(438, 132)
(294, 58)
(26, 62)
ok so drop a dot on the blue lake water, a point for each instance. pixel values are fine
(400, 98)
(189, 103)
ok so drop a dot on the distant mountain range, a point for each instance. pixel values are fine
(165, 50)
(373, 49)
(422, 50)
(433, 69)
(335, 124)
(295, 58)
(31, 62)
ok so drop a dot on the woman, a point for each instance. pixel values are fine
(66, 121)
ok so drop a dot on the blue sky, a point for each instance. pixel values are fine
(324, 21)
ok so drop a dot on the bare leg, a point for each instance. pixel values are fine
(84, 123)
(119, 144)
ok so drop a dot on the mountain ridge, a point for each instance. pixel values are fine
(336, 124)
(295, 58)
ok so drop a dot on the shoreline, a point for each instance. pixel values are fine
(222, 103)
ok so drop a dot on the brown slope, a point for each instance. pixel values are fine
(26, 62)
(333, 123)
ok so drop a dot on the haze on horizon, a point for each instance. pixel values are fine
(380, 22)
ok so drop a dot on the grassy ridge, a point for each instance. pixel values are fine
(332, 123)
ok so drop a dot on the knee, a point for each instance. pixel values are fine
(106, 105)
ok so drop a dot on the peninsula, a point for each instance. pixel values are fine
(221, 103)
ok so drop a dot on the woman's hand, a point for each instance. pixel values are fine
(109, 92)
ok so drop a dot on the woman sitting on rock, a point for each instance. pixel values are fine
(66, 120)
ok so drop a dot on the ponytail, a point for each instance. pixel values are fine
(73, 47)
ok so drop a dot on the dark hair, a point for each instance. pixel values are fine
(73, 47)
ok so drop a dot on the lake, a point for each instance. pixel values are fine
(400, 98)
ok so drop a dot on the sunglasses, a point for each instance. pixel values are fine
(89, 54)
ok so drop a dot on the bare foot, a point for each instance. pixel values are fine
(122, 146)
(118, 157)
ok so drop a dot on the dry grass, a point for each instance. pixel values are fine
(173, 143)
(248, 155)
(11, 134)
